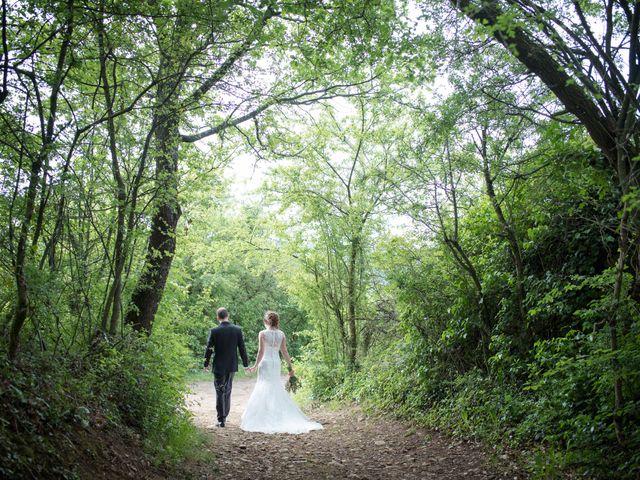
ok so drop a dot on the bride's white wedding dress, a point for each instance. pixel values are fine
(270, 409)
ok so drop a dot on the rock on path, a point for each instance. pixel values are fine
(351, 446)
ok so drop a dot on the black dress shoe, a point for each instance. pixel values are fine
(220, 424)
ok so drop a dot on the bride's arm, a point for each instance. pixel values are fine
(260, 351)
(285, 354)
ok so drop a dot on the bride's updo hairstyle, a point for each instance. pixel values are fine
(271, 319)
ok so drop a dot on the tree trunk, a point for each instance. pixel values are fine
(512, 240)
(618, 403)
(351, 302)
(538, 59)
(333, 305)
(452, 241)
(115, 297)
(162, 239)
(464, 262)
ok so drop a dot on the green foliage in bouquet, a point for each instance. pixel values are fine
(293, 384)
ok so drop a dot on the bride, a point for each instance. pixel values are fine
(270, 408)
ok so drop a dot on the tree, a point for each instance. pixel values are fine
(338, 185)
(80, 48)
(214, 66)
(498, 141)
(133, 87)
(436, 193)
(39, 164)
(596, 76)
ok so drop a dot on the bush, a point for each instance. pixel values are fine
(144, 380)
(320, 381)
(33, 406)
(572, 379)
(390, 380)
(564, 411)
(126, 384)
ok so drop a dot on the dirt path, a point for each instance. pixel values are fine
(351, 446)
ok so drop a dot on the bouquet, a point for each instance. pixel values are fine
(293, 384)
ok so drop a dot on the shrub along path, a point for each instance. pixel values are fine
(351, 446)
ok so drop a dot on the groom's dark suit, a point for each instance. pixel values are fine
(224, 342)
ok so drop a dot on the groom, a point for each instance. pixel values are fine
(223, 342)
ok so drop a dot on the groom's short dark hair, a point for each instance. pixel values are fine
(222, 313)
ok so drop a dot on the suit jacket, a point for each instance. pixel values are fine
(225, 341)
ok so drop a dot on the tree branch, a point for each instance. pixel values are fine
(233, 58)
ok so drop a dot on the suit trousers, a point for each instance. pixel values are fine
(223, 384)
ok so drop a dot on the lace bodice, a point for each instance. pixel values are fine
(272, 342)
(273, 338)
